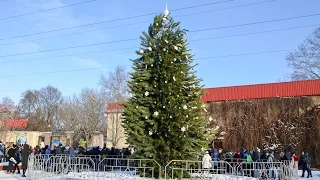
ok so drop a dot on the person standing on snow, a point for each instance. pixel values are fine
(206, 161)
(294, 160)
(214, 155)
(11, 157)
(308, 164)
(18, 159)
(305, 163)
(25, 152)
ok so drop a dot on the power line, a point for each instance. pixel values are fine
(113, 20)
(252, 33)
(254, 23)
(232, 7)
(200, 30)
(70, 55)
(45, 10)
(63, 71)
(201, 39)
(71, 47)
(213, 57)
(74, 33)
(247, 54)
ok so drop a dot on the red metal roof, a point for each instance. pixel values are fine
(114, 107)
(16, 123)
(262, 91)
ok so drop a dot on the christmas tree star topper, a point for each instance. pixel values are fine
(166, 12)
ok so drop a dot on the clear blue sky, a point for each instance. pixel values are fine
(216, 72)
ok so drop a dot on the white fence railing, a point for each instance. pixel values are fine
(98, 168)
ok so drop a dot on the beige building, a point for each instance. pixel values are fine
(115, 132)
(33, 138)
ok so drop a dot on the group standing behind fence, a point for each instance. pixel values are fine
(256, 155)
(20, 153)
(15, 155)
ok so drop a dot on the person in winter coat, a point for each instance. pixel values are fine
(282, 156)
(18, 159)
(305, 163)
(301, 159)
(11, 157)
(308, 165)
(53, 150)
(72, 152)
(214, 155)
(25, 152)
(247, 156)
(242, 152)
(277, 156)
(294, 160)
(126, 153)
(270, 157)
(47, 156)
(256, 155)
(206, 161)
(37, 150)
(59, 149)
(287, 154)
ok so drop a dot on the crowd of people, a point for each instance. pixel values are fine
(19, 154)
(213, 156)
(73, 151)
(15, 155)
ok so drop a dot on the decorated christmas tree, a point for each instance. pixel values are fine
(163, 118)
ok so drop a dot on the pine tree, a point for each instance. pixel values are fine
(163, 118)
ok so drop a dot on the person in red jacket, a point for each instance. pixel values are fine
(295, 159)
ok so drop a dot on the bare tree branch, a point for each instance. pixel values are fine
(41, 108)
(305, 61)
(115, 85)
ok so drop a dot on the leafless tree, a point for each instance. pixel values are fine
(90, 111)
(41, 108)
(305, 61)
(115, 87)
(115, 84)
(7, 109)
(69, 117)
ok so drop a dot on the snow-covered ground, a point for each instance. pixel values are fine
(128, 176)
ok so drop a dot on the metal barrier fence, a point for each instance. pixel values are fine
(134, 167)
(193, 169)
(46, 166)
(98, 168)
(236, 169)
(90, 167)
